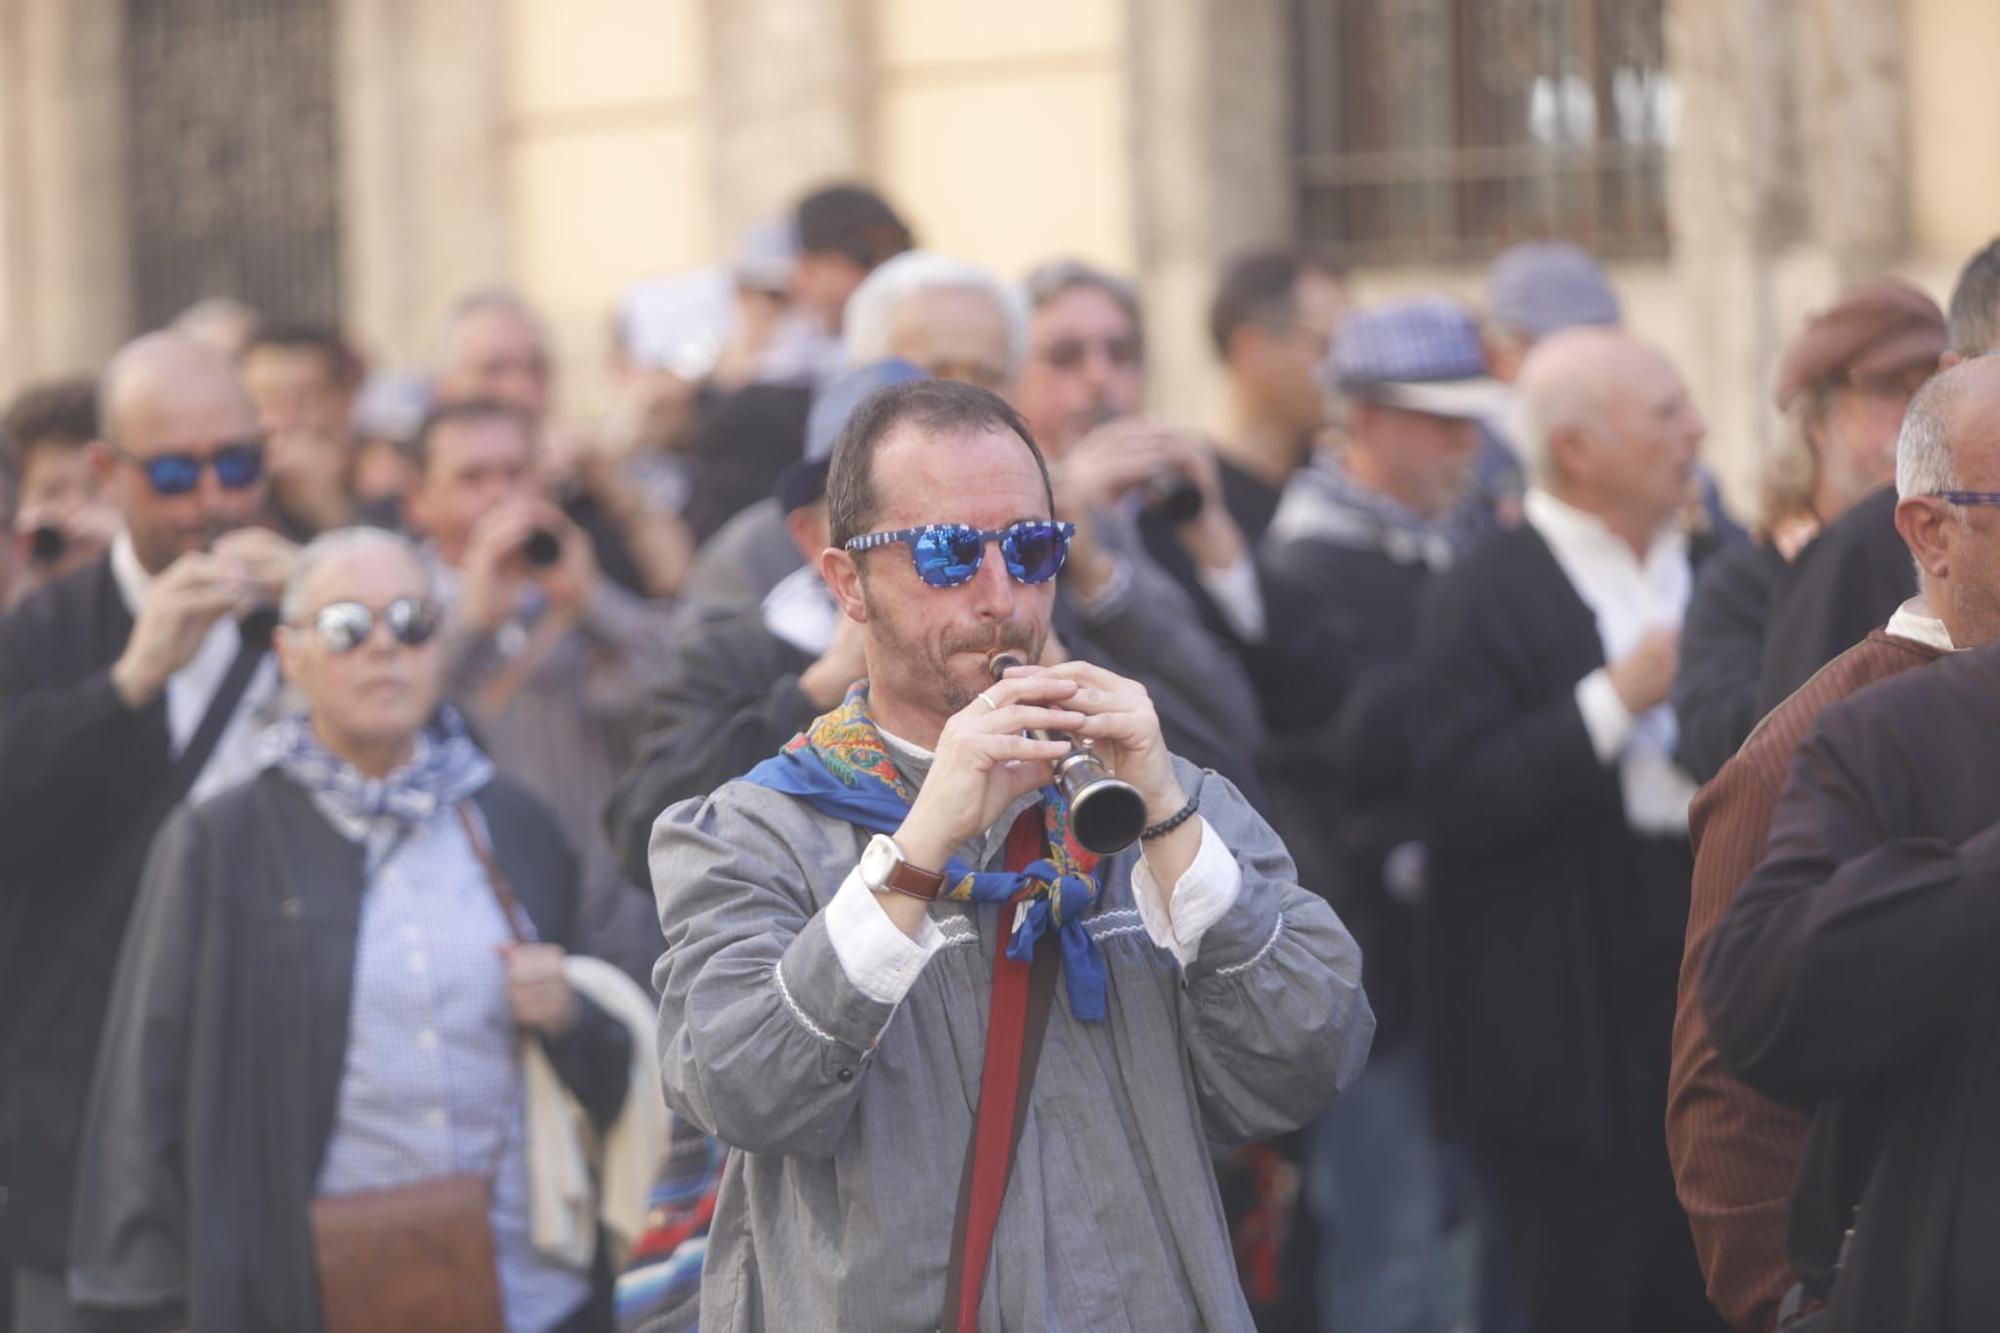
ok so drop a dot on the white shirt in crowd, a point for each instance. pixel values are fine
(1629, 598)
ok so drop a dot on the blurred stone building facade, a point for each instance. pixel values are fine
(363, 160)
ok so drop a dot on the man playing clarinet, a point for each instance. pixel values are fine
(865, 937)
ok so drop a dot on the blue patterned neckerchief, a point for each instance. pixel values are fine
(445, 768)
(840, 767)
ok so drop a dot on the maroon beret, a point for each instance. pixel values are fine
(1877, 328)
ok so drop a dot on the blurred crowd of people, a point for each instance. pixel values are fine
(339, 706)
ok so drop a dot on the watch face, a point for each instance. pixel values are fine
(879, 861)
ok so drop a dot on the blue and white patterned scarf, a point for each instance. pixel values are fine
(445, 769)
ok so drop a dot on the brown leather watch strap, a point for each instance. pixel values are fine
(915, 882)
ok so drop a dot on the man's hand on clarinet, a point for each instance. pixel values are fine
(984, 763)
(1122, 727)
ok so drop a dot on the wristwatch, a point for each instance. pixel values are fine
(884, 870)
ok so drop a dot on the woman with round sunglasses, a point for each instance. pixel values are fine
(339, 979)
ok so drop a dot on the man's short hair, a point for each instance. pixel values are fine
(61, 413)
(343, 364)
(1047, 281)
(1972, 327)
(476, 302)
(937, 406)
(850, 220)
(462, 410)
(1261, 287)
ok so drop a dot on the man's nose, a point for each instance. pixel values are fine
(993, 586)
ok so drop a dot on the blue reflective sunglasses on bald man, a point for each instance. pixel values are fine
(948, 554)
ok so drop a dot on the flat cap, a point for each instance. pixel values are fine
(1543, 287)
(1877, 328)
(1420, 354)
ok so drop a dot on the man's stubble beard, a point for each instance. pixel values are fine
(930, 670)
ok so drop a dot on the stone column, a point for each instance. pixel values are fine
(1211, 169)
(422, 87)
(788, 104)
(1788, 183)
(65, 260)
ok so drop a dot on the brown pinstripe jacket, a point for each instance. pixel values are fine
(1735, 1152)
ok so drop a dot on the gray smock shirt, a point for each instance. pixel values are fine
(850, 1116)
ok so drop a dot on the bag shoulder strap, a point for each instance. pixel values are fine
(496, 878)
(1017, 1020)
(215, 720)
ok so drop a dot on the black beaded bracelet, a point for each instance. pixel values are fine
(1171, 822)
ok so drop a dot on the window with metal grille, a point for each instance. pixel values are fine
(231, 134)
(1450, 129)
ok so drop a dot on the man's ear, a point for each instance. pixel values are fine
(103, 463)
(1569, 451)
(843, 579)
(1921, 522)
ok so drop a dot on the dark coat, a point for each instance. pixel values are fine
(219, 1079)
(1846, 582)
(80, 774)
(1340, 773)
(1855, 971)
(727, 699)
(1555, 930)
(1722, 655)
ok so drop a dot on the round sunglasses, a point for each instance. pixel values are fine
(236, 465)
(948, 554)
(345, 626)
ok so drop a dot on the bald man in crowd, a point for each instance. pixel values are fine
(125, 687)
(1559, 860)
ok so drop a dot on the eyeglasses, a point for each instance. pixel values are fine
(1070, 353)
(237, 465)
(345, 626)
(948, 554)
(1990, 499)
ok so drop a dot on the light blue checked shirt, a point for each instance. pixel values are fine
(431, 1085)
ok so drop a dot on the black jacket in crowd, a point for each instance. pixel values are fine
(1555, 929)
(80, 774)
(1856, 973)
(1340, 770)
(219, 1079)
(1722, 655)
(1846, 583)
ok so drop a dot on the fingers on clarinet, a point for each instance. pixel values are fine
(1019, 717)
(1025, 747)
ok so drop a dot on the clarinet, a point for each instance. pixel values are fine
(1106, 813)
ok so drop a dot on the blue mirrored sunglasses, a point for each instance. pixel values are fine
(1989, 499)
(948, 554)
(236, 465)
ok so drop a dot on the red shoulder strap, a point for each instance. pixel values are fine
(1016, 1021)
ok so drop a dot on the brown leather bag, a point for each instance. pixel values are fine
(411, 1259)
(416, 1258)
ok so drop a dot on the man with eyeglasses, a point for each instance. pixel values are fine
(1851, 978)
(124, 687)
(1736, 1152)
(865, 935)
(1082, 392)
